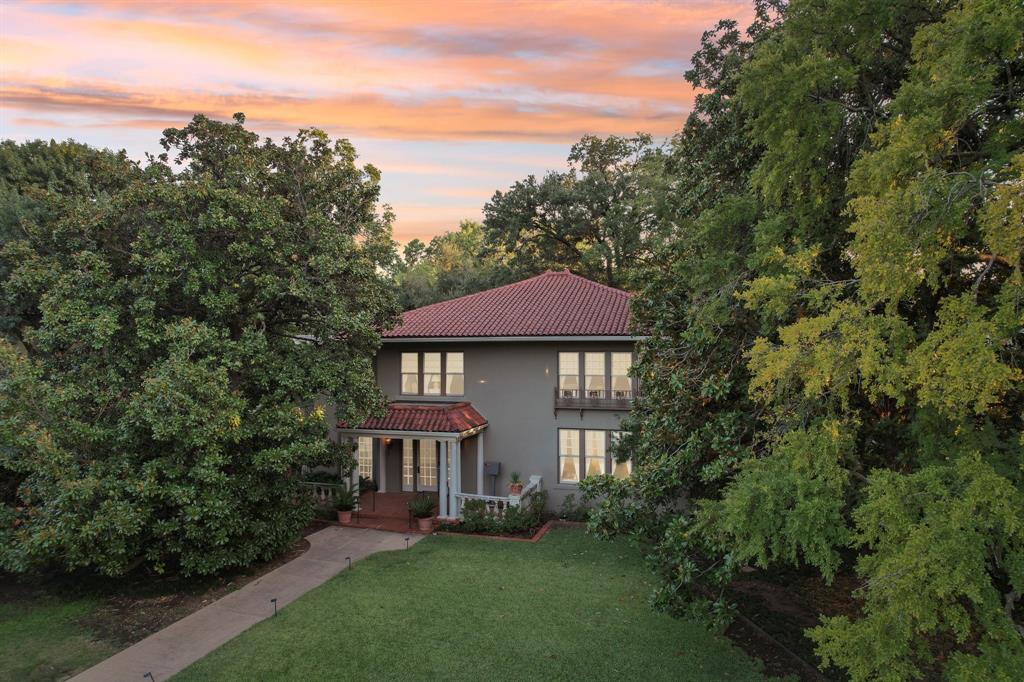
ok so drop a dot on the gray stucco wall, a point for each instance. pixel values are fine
(512, 384)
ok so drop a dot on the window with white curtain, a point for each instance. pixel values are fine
(364, 456)
(569, 455)
(588, 452)
(619, 469)
(410, 373)
(594, 374)
(594, 452)
(622, 386)
(569, 375)
(431, 374)
(454, 374)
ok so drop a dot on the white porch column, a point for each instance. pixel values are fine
(442, 483)
(457, 467)
(480, 463)
(381, 448)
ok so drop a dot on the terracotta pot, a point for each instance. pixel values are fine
(345, 516)
(426, 525)
(515, 488)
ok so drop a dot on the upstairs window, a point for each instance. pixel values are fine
(594, 377)
(622, 386)
(410, 373)
(433, 374)
(455, 377)
(569, 375)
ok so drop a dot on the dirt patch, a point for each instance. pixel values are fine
(776, 608)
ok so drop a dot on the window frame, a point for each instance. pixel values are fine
(420, 374)
(582, 457)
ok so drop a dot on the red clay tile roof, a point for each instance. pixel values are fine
(552, 304)
(445, 418)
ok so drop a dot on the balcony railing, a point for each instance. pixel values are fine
(583, 399)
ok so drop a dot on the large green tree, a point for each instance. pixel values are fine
(453, 264)
(866, 335)
(593, 217)
(172, 330)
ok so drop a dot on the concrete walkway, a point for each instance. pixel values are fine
(178, 645)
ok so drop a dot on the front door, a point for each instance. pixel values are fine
(427, 465)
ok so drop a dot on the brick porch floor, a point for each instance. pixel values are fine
(386, 511)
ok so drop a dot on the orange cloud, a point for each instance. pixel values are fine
(497, 89)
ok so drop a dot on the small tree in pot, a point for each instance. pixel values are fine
(344, 503)
(422, 509)
(515, 484)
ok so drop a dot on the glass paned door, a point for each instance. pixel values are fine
(408, 466)
(428, 465)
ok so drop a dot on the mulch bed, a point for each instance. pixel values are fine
(134, 607)
(521, 537)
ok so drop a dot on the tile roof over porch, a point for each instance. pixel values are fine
(445, 418)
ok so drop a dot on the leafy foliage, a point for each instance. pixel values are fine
(592, 218)
(172, 334)
(836, 339)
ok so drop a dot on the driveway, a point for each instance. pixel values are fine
(164, 653)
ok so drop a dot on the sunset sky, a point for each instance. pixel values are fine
(451, 100)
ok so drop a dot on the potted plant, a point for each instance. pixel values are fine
(515, 484)
(344, 503)
(422, 509)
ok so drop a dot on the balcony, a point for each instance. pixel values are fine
(576, 399)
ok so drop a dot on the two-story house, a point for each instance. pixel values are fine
(531, 377)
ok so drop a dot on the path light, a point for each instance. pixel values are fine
(150, 676)
(274, 602)
(407, 543)
(349, 560)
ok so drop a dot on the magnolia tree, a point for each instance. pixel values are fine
(172, 329)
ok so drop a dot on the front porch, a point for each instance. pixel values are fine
(437, 449)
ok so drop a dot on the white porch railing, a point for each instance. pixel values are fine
(497, 504)
(323, 493)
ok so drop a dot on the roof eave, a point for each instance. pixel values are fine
(491, 339)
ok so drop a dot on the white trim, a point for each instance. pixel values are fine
(488, 339)
(480, 463)
(442, 483)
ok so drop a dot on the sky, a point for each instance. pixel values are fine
(451, 100)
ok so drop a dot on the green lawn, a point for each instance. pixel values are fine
(41, 639)
(568, 607)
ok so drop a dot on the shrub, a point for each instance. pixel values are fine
(345, 499)
(422, 506)
(571, 510)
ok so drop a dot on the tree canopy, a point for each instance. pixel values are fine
(833, 377)
(173, 332)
